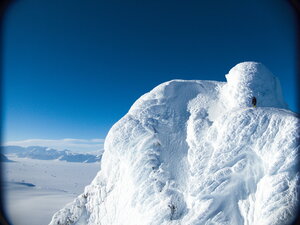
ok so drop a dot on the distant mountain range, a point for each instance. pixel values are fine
(3, 158)
(45, 153)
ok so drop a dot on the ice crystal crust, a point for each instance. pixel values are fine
(197, 152)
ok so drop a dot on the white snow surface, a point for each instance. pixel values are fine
(197, 152)
(33, 190)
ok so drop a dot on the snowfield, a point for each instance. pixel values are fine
(34, 189)
(197, 152)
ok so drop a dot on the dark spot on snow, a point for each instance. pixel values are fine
(173, 209)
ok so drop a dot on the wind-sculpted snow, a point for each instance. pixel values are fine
(196, 152)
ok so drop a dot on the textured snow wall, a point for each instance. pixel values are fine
(196, 152)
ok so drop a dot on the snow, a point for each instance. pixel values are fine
(197, 152)
(46, 184)
(46, 153)
(27, 205)
(252, 79)
(3, 158)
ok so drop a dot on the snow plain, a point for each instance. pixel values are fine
(35, 189)
(198, 153)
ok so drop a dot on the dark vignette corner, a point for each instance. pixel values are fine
(4, 4)
(296, 5)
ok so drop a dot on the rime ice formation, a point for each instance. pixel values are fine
(252, 79)
(197, 152)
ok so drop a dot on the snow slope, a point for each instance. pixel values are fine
(197, 152)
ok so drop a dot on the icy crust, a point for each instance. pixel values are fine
(182, 156)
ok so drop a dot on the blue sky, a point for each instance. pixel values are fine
(73, 68)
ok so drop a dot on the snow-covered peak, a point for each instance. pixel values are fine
(197, 152)
(46, 153)
(252, 79)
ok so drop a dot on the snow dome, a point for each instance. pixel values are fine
(252, 79)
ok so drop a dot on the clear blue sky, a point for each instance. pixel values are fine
(73, 68)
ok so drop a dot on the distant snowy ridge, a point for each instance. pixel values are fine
(3, 158)
(198, 153)
(45, 153)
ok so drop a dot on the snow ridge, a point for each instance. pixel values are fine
(45, 153)
(196, 152)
